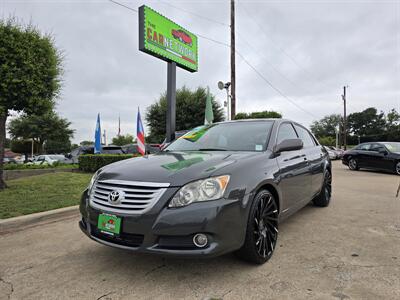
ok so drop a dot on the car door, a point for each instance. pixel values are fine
(295, 179)
(316, 159)
(362, 154)
(380, 158)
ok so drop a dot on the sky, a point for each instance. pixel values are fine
(293, 57)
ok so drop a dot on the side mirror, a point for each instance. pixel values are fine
(289, 145)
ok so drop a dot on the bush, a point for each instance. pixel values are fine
(93, 162)
(43, 166)
(327, 141)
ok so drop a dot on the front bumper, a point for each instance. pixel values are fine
(170, 231)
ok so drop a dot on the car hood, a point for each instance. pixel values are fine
(176, 168)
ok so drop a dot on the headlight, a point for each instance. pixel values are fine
(93, 180)
(201, 190)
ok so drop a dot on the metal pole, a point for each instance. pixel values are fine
(228, 104)
(32, 149)
(171, 101)
(344, 119)
(233, 68)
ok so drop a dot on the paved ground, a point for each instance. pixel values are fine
(350, 250)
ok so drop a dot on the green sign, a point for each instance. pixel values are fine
(160, 37)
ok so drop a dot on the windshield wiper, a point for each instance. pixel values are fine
(212, 149)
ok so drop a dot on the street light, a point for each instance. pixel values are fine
(226, 86)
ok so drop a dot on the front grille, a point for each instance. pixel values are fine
(136, 197)
(123, 239)
(176, 242)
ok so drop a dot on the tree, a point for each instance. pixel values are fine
(393, 125)
(30, 72)
(23, 146)
(259, 115)
(122, 140)
(86, 143)
(47, 129)
(190, 110)
(327, 126)
(367, 123)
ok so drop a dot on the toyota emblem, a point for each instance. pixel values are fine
(115, 197)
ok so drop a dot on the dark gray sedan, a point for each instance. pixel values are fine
(220, 188)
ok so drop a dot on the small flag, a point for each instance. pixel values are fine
(97, 136)
(140, 135)
(209, 116)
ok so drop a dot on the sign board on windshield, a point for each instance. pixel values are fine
(163, 38)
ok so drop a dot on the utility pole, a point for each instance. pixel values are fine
(344, 119)
(233, 71)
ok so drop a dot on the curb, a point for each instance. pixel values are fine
(28, 221)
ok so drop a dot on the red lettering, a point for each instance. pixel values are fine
(149, 30)
(155, 36)
(160, 39)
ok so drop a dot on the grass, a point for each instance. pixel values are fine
(44, 166)
(41, 193)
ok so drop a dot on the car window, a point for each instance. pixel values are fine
(377, 148)
(305, 136)
(286, 131)
(365, 147)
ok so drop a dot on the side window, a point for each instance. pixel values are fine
(364, 147)
(286, 131)
(377, 148)
(308, 141)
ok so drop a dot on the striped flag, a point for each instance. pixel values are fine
(97, 136)
(140, 134)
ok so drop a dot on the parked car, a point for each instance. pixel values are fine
(332, 154)
(220, 188)
(49, 159)
(110, 149)
(339, 152)
(9, 160)
(384, 156)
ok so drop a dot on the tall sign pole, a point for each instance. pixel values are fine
(344, 119)
(171, 101)
(233, 67)
(166, 40)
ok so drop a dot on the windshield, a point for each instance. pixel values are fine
(57, 157)
(235, 136)
(392, 147)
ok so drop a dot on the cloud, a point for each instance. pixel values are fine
(307, 49)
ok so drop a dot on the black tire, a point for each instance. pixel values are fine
(397, 168)
(324, 197)
(262, 229)
(353, 164)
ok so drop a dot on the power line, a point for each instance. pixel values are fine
(273, 87)
(123, 5)
(194, 14)
(245, 60)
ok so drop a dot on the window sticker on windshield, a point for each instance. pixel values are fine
(196, 133)
(259, 147)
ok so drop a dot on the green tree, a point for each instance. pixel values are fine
(122, 140)
(258, 115)
(86, 143)
(47, 129)
(367, 123)
(393, 125)
(23, 146)
(327, 126)
(190, 110)
(30, 72)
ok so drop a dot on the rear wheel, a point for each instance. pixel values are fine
(325, 195)
(262, 229)
(353, 164)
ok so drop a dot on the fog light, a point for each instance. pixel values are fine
(200, 240)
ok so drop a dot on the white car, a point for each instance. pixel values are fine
(49, 159)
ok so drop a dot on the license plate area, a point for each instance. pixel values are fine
(109, 224)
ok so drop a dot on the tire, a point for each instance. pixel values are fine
(353, 164)
(262, 229)
(397, 168)
(324, 197)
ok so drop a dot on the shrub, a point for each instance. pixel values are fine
(327, 141)
(93, 162)
(42, 166)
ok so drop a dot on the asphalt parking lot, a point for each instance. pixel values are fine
(350, 250)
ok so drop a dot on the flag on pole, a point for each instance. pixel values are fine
(209, 115)
(140, 134)
(97, 136)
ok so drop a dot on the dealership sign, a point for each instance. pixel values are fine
(160, 37)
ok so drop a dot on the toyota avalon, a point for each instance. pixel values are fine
(219, 188)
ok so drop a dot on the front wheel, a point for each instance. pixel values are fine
(262, 229)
